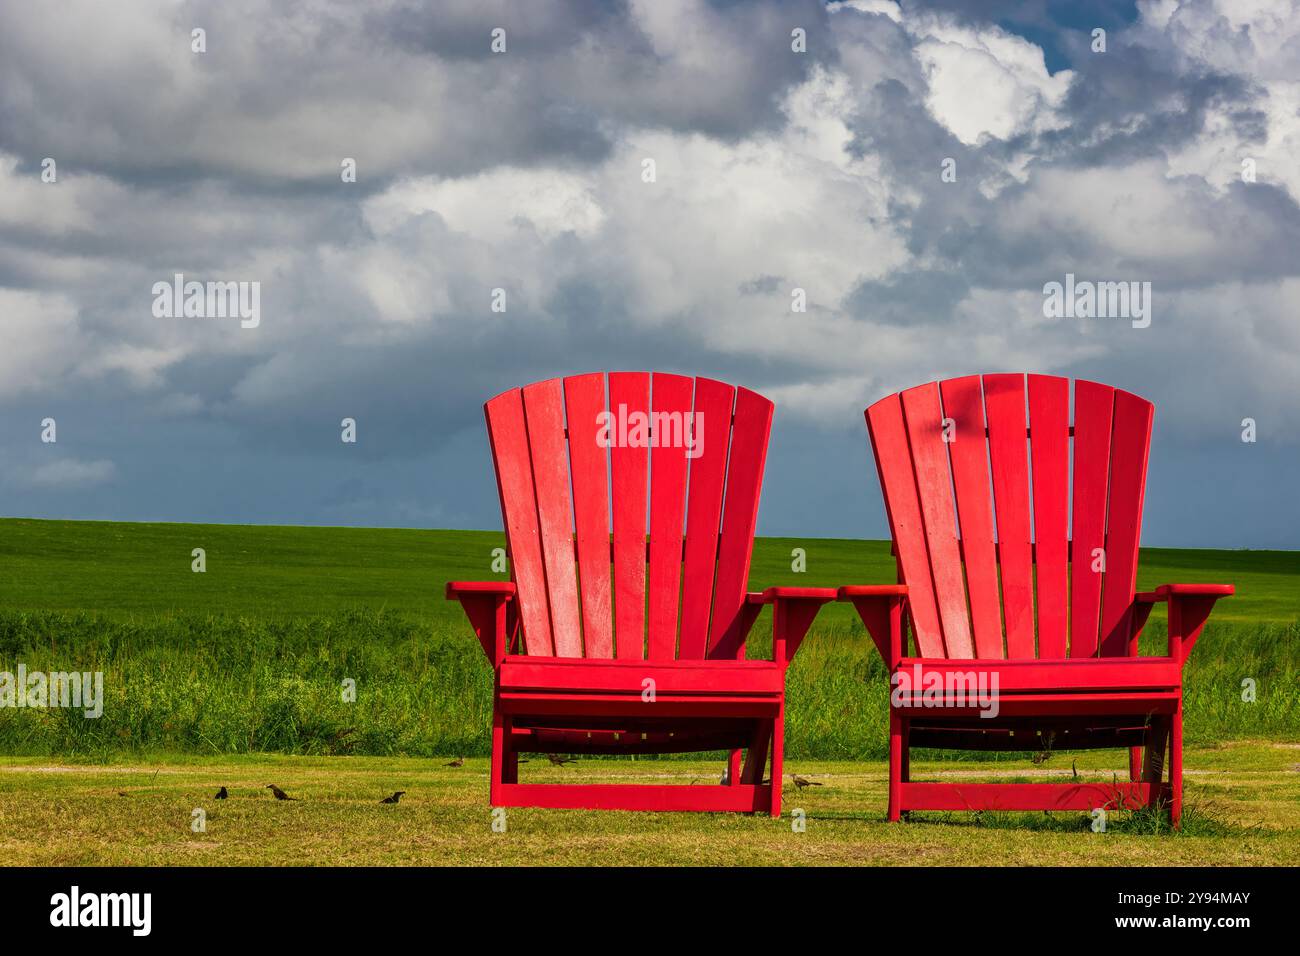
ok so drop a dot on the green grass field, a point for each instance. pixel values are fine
(235, 675)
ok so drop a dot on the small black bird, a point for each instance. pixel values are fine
(397, 795)
(221, 794)
(558, 760)
(800, 782)
(458, 762)
(279, 794)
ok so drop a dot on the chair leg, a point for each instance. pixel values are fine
(509, 756)
(897, 758)
(778, 753)
(756, 756)
(733, 768)
(1134, 764)
(1176, 767)
(1153, 758)
(496, 776)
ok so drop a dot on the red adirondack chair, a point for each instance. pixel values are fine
(633, 644)
(1006, 575)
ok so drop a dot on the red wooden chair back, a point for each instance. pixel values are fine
(1013, 543)
(571, 457)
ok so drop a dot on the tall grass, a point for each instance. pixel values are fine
(231, 684)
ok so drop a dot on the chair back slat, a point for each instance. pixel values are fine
(1093, 407)
(670, 400)
(750, 430)
(584, 400)
(1004, 404)
(1049, 410)
(963, 411)
(712, 416)
(629, 474)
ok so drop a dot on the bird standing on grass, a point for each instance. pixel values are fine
(458, 762)
(279, 794)
(558, 760)
(221, 794)
(800, 782)
(397, 795)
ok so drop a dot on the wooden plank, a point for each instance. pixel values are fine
(1049, 426)
(742, 798)
(1023, 796)
(714, 402)
(963, 404)
(924, 421)
(745, 678)
(508, 436)
(584, 405)
(749, 435)
(670, 395)
(544, 413)
(1093, 406)
(1130, 444)
(894, 466)
(1066, 677)
(629, 474)
(1004, 404)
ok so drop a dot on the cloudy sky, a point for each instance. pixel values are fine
(523, 170)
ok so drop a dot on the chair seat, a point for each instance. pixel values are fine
(1099, 675)
(521, 674)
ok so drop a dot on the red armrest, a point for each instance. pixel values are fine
(455, 589)
(1189, 607)
(491, 610)
(881, 608)
(794, 611)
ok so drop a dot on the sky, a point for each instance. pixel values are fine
(920, 170)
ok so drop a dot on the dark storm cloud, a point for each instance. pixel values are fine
(523, 171)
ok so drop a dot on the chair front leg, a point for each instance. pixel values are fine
(897, 759)
(1176, 767)
(778, 753)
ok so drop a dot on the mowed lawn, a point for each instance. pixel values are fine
(1243, 803)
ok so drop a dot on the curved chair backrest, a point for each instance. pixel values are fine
(1016, 534)
(571, 455)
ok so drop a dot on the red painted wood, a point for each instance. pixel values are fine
(1058, 703)
(894, 467)
(1093, 408)
(629, 477)
(1054, 602)
(573, 706)
(544, 414)
(1004, 403)
(713, 678)
(1067, 676)
(714, 402)
(582, 686)
(1130, 444)
(670, 397)
(1049, 424)
(742, 798)
(1023, 796)
(508, 436)
(584, 404)
(963, 404)
(749, 436)
(934, 486)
